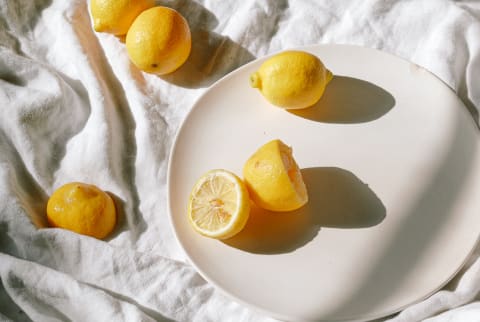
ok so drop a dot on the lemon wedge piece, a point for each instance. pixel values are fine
(219, 204)
(274, 179)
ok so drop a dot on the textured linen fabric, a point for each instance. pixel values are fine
(73, 108)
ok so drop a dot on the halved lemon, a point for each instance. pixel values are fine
(274, 179)
(219, 204)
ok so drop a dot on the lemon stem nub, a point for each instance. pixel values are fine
(255, 81)
(329, 76)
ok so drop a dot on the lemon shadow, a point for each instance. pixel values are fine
(212, 55)
(418, 230)
(337, 199)
(349, 100)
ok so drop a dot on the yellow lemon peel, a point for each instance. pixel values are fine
(273, 178)
(82, 208)
(292, 79)
(116, 16)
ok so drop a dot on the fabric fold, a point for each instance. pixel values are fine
(73, 108)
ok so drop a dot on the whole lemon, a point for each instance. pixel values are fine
(159, 40)
(82, 208)
(292, 79)
(273, 178)
(116, 16)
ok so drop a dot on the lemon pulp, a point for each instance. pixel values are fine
(219, 204)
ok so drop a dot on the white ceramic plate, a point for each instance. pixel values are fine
(390, 157)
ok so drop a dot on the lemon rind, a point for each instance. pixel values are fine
(242, 202)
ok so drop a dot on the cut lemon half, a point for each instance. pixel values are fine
(219, 204)
(274, 179)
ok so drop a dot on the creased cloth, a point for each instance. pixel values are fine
(73, 108)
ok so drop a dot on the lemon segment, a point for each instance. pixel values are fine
(159, 40)
(219, 204)
(116, 16)
(292, 79)
(82, 208)
(273, 178)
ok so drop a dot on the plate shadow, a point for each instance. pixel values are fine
(349, 100)
(337, 199)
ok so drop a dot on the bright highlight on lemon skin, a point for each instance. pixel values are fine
(292, 79)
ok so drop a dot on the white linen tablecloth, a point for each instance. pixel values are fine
(73, 108)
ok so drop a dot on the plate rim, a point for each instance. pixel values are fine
(232, 73)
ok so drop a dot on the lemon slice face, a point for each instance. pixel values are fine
(274, 179)
(219, 204)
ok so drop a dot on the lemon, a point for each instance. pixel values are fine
(159, 40)
(116, 16)
(274, 179)
(292, 79)
(219, 205)
(82, 208)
